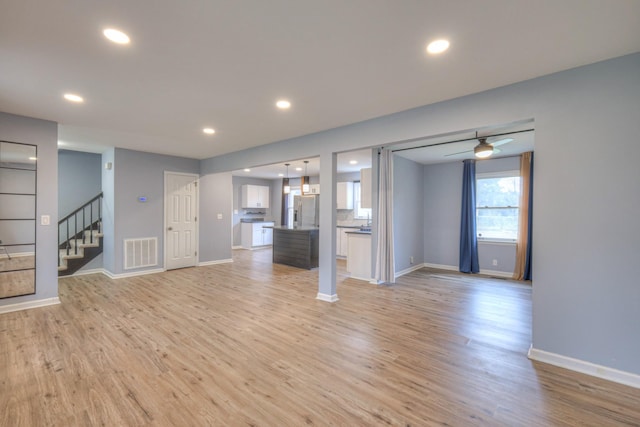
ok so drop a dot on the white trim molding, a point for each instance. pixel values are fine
(327, 298)
(409, 270)
(29, 304)
(495, 273)
(132, 274)
(85, 272)
(214, 262)
(577, 365)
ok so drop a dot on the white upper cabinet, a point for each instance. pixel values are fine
(255, 196)
(365, 188)
(314, 189)
(344, 195)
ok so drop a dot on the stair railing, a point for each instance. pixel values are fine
(91, 216)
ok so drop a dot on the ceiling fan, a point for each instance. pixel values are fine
(484, 149)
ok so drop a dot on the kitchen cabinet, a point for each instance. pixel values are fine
(253, 234)
(298, 247)
(365, 188)
(344, 195)
(342, 242)
(359, 255)
(314, 189)
(255, 196)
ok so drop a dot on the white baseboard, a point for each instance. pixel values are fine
(218, 261)
(599, 371)
(132, 274)
(85, 272)
(29, 304)
(409, 270)
(441, 266)
(327, 298)
(236, 247)
(495, 273)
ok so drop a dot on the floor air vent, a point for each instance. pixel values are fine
(140, 252)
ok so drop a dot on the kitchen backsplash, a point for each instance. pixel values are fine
(345, 217)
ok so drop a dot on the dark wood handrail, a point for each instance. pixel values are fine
(80, 208)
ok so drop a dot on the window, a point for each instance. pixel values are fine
(497, 200)
(358, 212)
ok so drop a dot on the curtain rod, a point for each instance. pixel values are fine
(457, 140)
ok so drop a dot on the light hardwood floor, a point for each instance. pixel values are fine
(247, 343)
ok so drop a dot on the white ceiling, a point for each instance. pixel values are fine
(223, 64)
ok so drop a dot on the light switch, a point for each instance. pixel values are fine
(45, 220)
(219, 216)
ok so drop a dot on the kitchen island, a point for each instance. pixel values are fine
(296, 246)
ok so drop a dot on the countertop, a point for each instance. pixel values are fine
(359, 232)
(254, 220)
(294, 228)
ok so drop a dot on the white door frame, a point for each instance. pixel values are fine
(196, 179)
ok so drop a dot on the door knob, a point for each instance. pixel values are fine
(169, 228)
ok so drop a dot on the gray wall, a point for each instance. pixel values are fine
(585, 292)
(408, 213)
(44, 134)
(79, 179)
(141, 174)
(442, 200)
(108, 211)
(215, 234)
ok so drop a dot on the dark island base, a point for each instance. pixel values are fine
(296, 247)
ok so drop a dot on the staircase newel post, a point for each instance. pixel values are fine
(67, 238)
(84, 226)
(75, 234)
(91, 216)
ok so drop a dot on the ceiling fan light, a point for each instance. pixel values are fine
(483, 150)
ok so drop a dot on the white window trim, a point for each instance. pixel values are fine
(500, 174)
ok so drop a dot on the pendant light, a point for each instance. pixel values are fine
(305, 179)
(286, 188)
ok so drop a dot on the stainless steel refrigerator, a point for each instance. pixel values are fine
(306, 211)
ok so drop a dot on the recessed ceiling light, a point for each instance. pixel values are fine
(116, 36)
(33, 158)
(299, 169)
(438, 46)
(280, 174)
(353, 162)
(209, 131)
(283, 104)
(73, 97)
(247, 170)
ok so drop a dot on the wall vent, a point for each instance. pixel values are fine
(142, 252)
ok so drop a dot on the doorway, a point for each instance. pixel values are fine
(181, 221)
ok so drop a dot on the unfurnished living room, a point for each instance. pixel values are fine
(283, 213)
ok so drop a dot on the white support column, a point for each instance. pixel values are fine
(327, 276)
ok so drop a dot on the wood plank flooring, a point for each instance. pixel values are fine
(247, 344)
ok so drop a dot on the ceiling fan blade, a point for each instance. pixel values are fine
(460, 152)
(501, 142)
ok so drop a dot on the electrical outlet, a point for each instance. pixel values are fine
(495, 262)
(411, 259)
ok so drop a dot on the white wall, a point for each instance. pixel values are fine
(585, 295)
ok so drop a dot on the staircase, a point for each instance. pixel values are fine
(80, 237)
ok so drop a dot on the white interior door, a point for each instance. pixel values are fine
(181, 225)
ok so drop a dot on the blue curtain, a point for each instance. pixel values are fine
(468, 236)
(527, 262)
